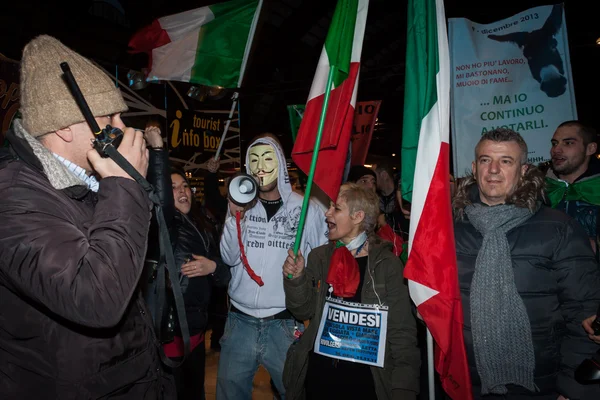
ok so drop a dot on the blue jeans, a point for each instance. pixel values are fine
(248, 342)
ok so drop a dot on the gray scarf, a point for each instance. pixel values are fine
(501, 329)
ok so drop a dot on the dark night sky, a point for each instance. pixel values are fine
(287, 47)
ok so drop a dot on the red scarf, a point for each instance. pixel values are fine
(344, 274)
(249, 270)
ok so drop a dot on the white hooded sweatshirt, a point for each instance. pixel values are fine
(266, 244)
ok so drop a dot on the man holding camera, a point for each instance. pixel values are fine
(259, 329)
(72, 246)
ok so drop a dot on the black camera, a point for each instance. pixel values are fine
(109, 136)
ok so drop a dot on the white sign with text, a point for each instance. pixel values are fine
(514, 73)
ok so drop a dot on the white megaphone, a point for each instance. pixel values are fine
(242, 189)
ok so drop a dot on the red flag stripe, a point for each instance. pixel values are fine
(335, 139)
(149, 38)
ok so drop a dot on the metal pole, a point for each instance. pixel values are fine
(233, 105)
(430, 366)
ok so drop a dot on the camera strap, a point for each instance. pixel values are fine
(166, 258)
(106, 143)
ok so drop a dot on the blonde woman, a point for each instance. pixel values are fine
(361, 341)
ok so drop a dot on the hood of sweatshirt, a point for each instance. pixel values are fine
(283, 179)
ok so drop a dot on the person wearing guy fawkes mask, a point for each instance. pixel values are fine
(259, 329)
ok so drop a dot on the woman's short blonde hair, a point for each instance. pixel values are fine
(359, 199)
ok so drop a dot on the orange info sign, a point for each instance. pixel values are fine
(365, 117)
(195, 134)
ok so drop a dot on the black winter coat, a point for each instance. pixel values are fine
(72, 325)
(187, 238)
(559, 282)
(191, 240)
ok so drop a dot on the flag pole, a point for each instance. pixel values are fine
(233, 105)
(241, 78)
(430, 366)
(313, 165)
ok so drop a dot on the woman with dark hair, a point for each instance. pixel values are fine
(196, 253)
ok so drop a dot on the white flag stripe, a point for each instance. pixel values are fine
(179, 25)
(320, 80)
(174, 61)
(359, 29)
(425, 164)
(443, 76)
(435, 129)
(420, 293)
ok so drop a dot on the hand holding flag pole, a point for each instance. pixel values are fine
(313, 164)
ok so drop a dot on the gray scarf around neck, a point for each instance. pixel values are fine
(501, 330)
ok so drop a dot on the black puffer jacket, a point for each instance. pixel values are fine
(559, 282)
(72, 325)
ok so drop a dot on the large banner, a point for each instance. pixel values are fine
(9, 93)
(514, 73)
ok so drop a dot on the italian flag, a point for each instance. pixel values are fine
(205, 46)
(341, 51)
(431, 267)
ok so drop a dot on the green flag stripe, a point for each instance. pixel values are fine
(222, 42)
(420, 89)
(295, 112)
(340, 39)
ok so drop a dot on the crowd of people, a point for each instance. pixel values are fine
(83, 315)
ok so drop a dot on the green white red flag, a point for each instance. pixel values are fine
(432, 275)
(205, 46)
(342, 51)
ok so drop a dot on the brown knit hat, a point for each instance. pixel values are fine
(46, 101)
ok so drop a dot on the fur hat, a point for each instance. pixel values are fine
(46, 101)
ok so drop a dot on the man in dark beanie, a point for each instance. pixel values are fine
(363, 176)
(72, 244)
